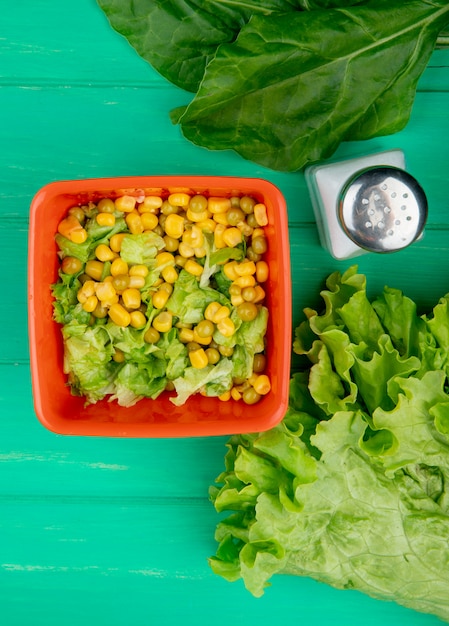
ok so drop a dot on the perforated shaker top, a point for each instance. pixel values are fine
(383, 209)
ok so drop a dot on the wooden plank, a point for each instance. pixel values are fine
(34, 460)
(72, 132)
(118, 561)
(69, 44)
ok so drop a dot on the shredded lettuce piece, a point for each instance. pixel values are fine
(87, 360)
(352, 487)
(189, 300)
(141, 249)
(66, 247)
(215, 379)
(135, 381)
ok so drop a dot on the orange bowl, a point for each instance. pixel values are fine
(63, 413)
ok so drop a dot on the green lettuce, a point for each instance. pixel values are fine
(101, 234)
(215, 379)
(175, 354)
(81, 251)
(66, 306)
(189, 300)
(352, 487)
(87, 360)
(135, 381)
(141, 249)
(247, 341)
(96, 234)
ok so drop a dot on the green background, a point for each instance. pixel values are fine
(100, 531)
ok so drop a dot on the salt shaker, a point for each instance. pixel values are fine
(367, 204)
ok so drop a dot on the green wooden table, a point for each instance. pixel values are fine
(98, 531)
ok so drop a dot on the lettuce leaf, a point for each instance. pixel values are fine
(352, 487)
(135, 381)
(141, 249)
(189, 298)
(87, 360)
(215, 379)
(66, 306)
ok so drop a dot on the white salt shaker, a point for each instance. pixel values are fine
(367, 204)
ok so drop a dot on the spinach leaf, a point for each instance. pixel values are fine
(310, 5)
(293, 86)
(284, 82)
(179, 37)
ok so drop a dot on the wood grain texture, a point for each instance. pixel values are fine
(118, 532)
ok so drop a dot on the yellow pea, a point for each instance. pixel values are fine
(193, 267)
(105, 291)
(261, 271)
(262, 384)
(260, 213)
(138, 270)
(232, 236)
(90, 304)
(226, 327)
(211, 310)
(150, 204)
(246, 268)
(163, 322)
(149, 221)
(134, 223)
(160, 298)
(119, 267)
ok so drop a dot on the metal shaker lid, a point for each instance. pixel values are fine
(382, 209)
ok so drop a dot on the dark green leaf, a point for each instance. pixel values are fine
(179, 37)
(293, 86)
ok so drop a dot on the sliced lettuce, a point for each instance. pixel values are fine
(352, 487)
(141, 249)
(130, 341)
(97, 233)
(252, 334)
(215, 379)
(135, 381)
(87, 360)
(247, 341)
(65, 305)
(175, 354)
(81, 251)
(189, 300)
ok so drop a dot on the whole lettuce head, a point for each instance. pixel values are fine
(352, 488)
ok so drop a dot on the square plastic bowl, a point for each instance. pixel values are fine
(61, 412)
